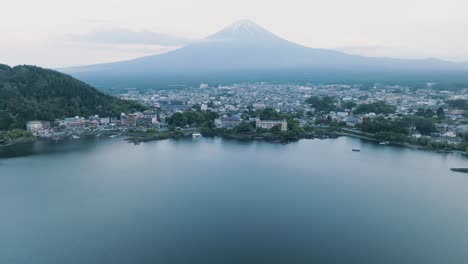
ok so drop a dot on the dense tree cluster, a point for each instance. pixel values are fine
(33, 93)
(245, 127)
(428, 113)
(269, 114)
(293, 132)
(192, 118)
(377, 107)
(6, 136)
(399, 126)
(440, 113)
(322, 104)
(458, 103)
(348, 104)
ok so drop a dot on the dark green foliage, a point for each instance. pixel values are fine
(322, 104)
(458, 103)
(348, 105)
(382, 125)
(245, 127)
(271, 114)
(440, 113)
(440, 145)
(14, 134)
(428, 113)
(5, 120)
(268, 114)
(391, 136)
(323, 120)
(425, 126)
(377, 107)
(192, 118)
(400, 126)
(33, 93)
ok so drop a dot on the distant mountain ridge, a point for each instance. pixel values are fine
(33, 93)
(245, 51)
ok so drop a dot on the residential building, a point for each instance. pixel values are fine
(269, 124)
(227, 122)
(37, 127)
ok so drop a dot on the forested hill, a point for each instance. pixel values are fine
(33, 93)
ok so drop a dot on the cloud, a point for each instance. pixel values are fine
(129, 37)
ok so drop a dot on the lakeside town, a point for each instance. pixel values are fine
(385, 112)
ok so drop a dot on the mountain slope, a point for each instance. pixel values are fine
(243, 50)
(30, 93)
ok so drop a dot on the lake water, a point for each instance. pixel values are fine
(219, 201)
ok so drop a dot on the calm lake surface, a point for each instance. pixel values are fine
(219, 201)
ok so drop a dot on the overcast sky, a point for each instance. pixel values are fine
(58, 33)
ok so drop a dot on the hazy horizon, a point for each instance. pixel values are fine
(55, 34)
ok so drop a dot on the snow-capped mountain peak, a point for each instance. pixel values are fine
(244, 25)
(245, 51)
(242, 30)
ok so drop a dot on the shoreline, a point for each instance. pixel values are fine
(142, 137)
(295, 139)
(407, 145)
(18, 142)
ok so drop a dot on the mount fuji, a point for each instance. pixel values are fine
(244, 51)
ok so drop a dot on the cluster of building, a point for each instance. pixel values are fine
(269, 124)
(232, 100)
(225, 99)
(79, 125)
(230, 122)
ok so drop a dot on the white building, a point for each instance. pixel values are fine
(104, 121)
(34, 126)
(269, 124)
(73, 122)
(227, 122)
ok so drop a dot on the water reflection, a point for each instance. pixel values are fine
(209, 200)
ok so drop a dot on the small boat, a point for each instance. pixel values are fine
(75, 137)
(195, 135)
(112, 136)
(384, 143)
(356, 149)
(98, 135)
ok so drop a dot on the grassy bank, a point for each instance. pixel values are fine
(138, 137)
(405, 143)
(15, 136)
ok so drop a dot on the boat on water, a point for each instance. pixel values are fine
(98, 135)
(112, 136)
(75, 137)
(384, 143)
(196, 135)
(356, 149)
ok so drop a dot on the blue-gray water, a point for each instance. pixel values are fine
(217, 201)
